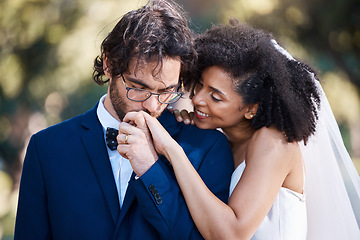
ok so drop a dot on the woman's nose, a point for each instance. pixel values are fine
(198, 98)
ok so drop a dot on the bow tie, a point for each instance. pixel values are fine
(111, 141)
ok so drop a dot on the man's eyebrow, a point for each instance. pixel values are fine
(170, 87)
(141, 83)
(137, 81)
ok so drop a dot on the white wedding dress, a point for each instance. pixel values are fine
(286, 219)
(332, 190)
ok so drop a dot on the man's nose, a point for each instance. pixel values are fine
(152, 105)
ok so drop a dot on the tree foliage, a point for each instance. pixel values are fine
(47, 49)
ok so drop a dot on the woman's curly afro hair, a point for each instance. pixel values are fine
(284, 89)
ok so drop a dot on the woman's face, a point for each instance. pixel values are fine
(216, 104)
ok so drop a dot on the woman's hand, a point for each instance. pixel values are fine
(163, 142)
(183, 115)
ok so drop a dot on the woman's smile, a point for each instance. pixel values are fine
(200, 115)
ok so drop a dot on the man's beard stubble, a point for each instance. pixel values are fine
(117, 101)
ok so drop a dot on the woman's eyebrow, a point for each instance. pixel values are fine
(217, 91)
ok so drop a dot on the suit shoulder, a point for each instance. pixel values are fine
(202, 135)
(59, 127)
(70, 126)
(189, 133)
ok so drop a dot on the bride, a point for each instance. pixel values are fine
(293, 177)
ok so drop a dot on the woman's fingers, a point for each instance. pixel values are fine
(153, 124)
(159, 135)
(191, 115)
(184, 116)
(170, 108)
(177, 115)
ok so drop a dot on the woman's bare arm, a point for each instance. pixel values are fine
(266, 169)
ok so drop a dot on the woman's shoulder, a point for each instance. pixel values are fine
(270, 143)
(268, 137)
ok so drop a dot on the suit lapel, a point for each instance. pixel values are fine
(94, 144)
(129, 199)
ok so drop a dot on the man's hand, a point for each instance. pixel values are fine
(135, 143)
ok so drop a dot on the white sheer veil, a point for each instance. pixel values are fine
(332, 184)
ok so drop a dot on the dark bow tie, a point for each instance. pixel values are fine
(111, 141)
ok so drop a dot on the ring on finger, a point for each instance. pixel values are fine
(126, 138)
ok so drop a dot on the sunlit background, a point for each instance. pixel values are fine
(48, 48)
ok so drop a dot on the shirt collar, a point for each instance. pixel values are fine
(105, 118)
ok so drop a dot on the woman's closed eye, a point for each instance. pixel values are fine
(215, 98)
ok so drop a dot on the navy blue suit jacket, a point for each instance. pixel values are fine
(67, 188)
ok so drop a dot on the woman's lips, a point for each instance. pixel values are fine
(200, 114)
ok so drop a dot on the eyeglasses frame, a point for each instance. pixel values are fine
(151, 93)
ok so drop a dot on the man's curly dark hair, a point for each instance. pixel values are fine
(151, 33)
(284, 89)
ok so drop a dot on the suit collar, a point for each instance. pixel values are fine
(105, 118)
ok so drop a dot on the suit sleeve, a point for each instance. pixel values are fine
(32, 221)
(160, 197)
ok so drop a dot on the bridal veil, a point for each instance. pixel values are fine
(332, 184)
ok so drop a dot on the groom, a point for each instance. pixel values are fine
(75, 185)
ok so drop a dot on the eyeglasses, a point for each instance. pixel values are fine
(141, 95)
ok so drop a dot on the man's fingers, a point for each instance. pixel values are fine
(123, 138)
(123, 150)
(126, 128)
(135, 118)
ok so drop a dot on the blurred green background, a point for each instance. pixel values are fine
(48, 48)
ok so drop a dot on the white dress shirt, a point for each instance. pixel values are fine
(121, 167)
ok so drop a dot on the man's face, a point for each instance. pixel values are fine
(149, 76)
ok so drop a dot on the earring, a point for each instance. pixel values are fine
(251, 115)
